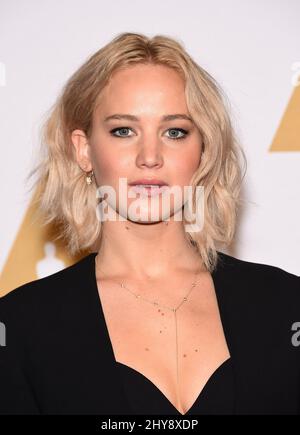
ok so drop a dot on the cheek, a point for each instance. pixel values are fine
(185, 166)
(109, 166)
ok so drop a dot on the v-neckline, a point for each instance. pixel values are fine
(222, 366)
(224, 322)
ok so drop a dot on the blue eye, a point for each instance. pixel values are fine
(114, 130)
(180, 130)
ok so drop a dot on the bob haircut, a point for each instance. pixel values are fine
(64, 197)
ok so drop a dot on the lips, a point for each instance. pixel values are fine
(148, 190)
(148, 186)
(148, 182)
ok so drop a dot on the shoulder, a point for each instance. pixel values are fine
(46, 293)
(248, 269)
(241, 267)
(265, 285)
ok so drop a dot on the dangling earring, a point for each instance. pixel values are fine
(89, 177)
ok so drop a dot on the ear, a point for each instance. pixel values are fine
(82, 150)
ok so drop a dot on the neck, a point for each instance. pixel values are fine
(150, 251)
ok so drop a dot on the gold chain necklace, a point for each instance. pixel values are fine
(174, 310)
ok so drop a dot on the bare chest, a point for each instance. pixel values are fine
(177, 351)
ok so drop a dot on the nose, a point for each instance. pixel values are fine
(150, 155)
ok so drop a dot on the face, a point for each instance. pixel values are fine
(142, 146)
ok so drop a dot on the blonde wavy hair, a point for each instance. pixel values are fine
(64, 197)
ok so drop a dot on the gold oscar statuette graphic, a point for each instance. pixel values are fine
(287, 136)
(34, 253)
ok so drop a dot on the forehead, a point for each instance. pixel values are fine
(151, 87)
(147, 71)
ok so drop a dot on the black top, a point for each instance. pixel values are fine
(217, 396)
(58, 357)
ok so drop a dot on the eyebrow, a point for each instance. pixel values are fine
(164, 118)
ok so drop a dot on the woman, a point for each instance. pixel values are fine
(155, 320)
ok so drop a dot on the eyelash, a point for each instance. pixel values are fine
(128, 128)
